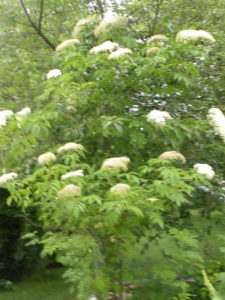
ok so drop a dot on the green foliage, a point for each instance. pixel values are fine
(154, 239)
(16, 257)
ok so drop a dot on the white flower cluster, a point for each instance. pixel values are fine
(53, 73)
(66, 44)
(205, 169)
(46, 158)
(119, 52)
(152, 50)
(158, 116)
(110, 20)
(93, 298)
(23, 113)
(174, 156)
(217, 121)
(72, 174)
(69, 190)
(116, 162)
(106, 46)
(194, 35)
(4, 115)
(120, 189)
(7, 177)
(157, 38)
(70, 147)
(81, 25)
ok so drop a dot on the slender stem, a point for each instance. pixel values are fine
(41, 14)
(157, 11)
(36, 28)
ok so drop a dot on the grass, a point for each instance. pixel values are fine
(47, 285)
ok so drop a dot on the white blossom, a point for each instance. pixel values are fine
(46, 158)
(4, 115)
(152, 50)
(70, 146)
(204, 35)
(120, 189)
(69, 190)
(53, 73)
(86, 21)
(23, 113)
(157, 37)
(93, 298)
(72, 174)
(67, 43)
(116, 162)
(158, 116)
(80, 25)
(118, 53)
(3, 121)
(194, 35)
(109, 20)
(7, 177)
(174, 156)
(205, 169)
(217, 121)
(106, 46)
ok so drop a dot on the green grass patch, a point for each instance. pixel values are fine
(47, 285)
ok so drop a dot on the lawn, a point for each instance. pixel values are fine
(47, 285)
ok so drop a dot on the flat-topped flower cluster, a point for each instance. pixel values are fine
(7, 177)
(116, 22)
(5, 115)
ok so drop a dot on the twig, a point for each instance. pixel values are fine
(41, 14)
(36, 28)
(157, 11)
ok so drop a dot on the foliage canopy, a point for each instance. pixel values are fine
(163, 224)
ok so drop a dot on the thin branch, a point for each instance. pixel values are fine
(36, 28)
(157, 11)
(41, 14)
